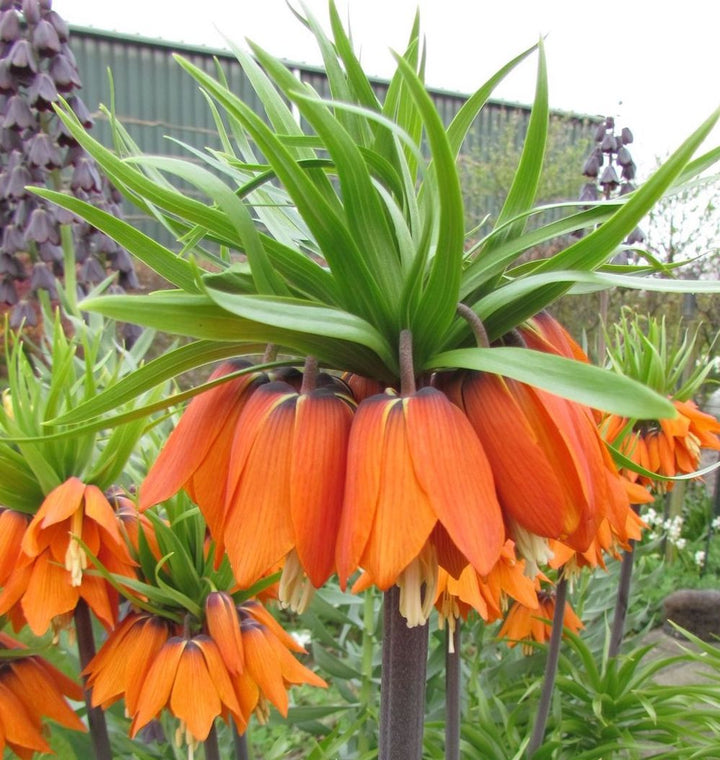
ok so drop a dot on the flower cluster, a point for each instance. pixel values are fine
(37, 66)
(414, 487)
(31, 690)
(237, 663)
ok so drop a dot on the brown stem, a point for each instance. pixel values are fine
(86, 651)
(271, 352)
(407, 370)
(481, 336)
(310, 372)
(212, 750)
(452, 693)
(402, 688)
(553, 657)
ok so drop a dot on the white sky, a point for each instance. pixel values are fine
(653, 64)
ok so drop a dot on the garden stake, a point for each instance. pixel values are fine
(551, 665)
(86, 651)
(240, 744)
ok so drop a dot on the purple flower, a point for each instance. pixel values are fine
(42, 93)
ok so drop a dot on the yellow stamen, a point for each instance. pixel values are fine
(75, 556)
(448, 615)
(418, 584)
(295, 590)
(535, 549)
(262, 711)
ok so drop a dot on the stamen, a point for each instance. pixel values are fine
(75, 556)
(295, 590)
(533, 548)
(418, 585)
(448, 615)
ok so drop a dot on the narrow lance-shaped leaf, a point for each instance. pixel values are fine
(577, 381)
(160, 259)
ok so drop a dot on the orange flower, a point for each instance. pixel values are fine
(31, 690)
(419, 494)
(120, 667)
(487, 596)
(233, 669)
(524, 624)
(552, 479)
(196, 455)
(669, 447)
(188, 677)
(50, 577)
(286, 480)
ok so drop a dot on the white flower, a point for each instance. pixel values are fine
(680, 543)
(700, 558)
(715, 524)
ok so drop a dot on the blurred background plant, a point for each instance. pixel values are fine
(37, 67)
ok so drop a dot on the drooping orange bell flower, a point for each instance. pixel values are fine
(669, 447)
(417, 479)
(120, 667)
(286, 480)
(196, 455)
(546, 456)
(456, 597)
(523, 624)
(49, 578)
(32, 690)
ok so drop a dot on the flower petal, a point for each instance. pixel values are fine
(322, 429)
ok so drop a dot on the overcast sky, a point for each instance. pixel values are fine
(654, 65)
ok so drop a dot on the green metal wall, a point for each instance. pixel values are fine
(155, 99)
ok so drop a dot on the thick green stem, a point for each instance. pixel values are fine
(86, 651)
(402, 691)
(452, 693)
(553, 656)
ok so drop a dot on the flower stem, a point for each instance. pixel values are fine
(452, 693)
(622, 600)
(86, 651)
(407, 370)
(366, 688)
(478, 328)
(240, 743)
(402, 690)
(551, 665)
(212, 750)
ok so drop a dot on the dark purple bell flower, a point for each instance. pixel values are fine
(8, 292)
(43, 279)
(10, 266)
(64, 74)
(7, 80)
(23, 314)
(42, 93)
(18, 114)
(22, 58)
(60, 25)
(42, 227)
(13, 240)
(609, 177)
(51, 253)
(85, 176)
(31, 11)
(18, 179)
(10, 28)
(91, 271)
(81, 111)
(45, 39)
(42, 151)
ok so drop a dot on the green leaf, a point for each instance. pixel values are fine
(522, 192)
(158, 371)
(436, 308)
(160, 259)
(305, 317)
(265, 278)
(577, 381)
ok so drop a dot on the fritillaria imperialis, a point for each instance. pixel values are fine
(411, 386)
